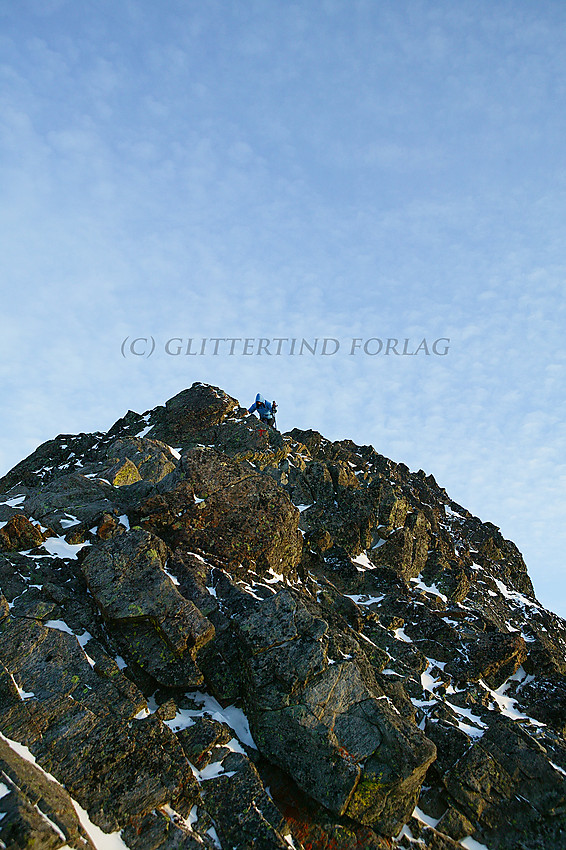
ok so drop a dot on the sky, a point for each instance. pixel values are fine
(365, 170)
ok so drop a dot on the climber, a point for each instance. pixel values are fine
(266, 410)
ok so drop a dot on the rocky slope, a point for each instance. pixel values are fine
(214, 635)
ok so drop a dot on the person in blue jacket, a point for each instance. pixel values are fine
(265, 409)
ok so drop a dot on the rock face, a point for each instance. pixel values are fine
(213, 634)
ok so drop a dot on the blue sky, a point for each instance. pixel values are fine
(333, 169)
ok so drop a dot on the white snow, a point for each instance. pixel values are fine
(125, 521)
(171, 576)
(214, 835)
(70, 522)
(470, 730)
(558, 768)
(174, 452)
(60, 626)
(363, 598)
(400, 635)
(145, 430)
(4, 790)
(15, 502)
(58, 547)
(275, 577)
(363, 560)
(471, 844)
(428, 588)
(100, 839)
(302, 508)
(233, 716)
(426, 819)
(515, 596)
(507, 705)
(450, 512)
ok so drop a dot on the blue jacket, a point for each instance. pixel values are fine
(265, 411)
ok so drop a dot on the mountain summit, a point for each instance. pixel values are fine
(216, 635)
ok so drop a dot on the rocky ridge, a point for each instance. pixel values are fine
(216, 635)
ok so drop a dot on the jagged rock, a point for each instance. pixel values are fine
(347, 749)
(546, 699)
(191, 411)
(83, 497)
(198, 740)
(492, 779)
(122, 473)
(222, 508)
(493, 657)
(311, 824)
(159, 627)
(137, 458)
(244, 814)
(164, 831)
(20, 533)
(36, 812)
(393, 610)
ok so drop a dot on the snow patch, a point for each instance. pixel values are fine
(59, 548)
(428, 588)
(231, 715)
(60, 626)
(15, 502)
(363, 598)
(363, 560)
(70, 521)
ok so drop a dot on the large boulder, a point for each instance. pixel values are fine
(137, 458)
(322, 724)
(73, 494)
(191, 411)
(19, 533)
(222, 507)
(159, 628)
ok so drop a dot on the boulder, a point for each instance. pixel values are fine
(158, 627)
(191, 411)
(221, 507)
(36, 811)
(349, 750)
(19, 533)
(85, 498)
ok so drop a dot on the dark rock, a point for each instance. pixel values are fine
(382, 617)
(191, 411)
(136, 458)
(82, 497)
(158, 626)
(20, 533)
(222, 508)
(197, 741)
(492, 657)
(36, 812)
(244, 814)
